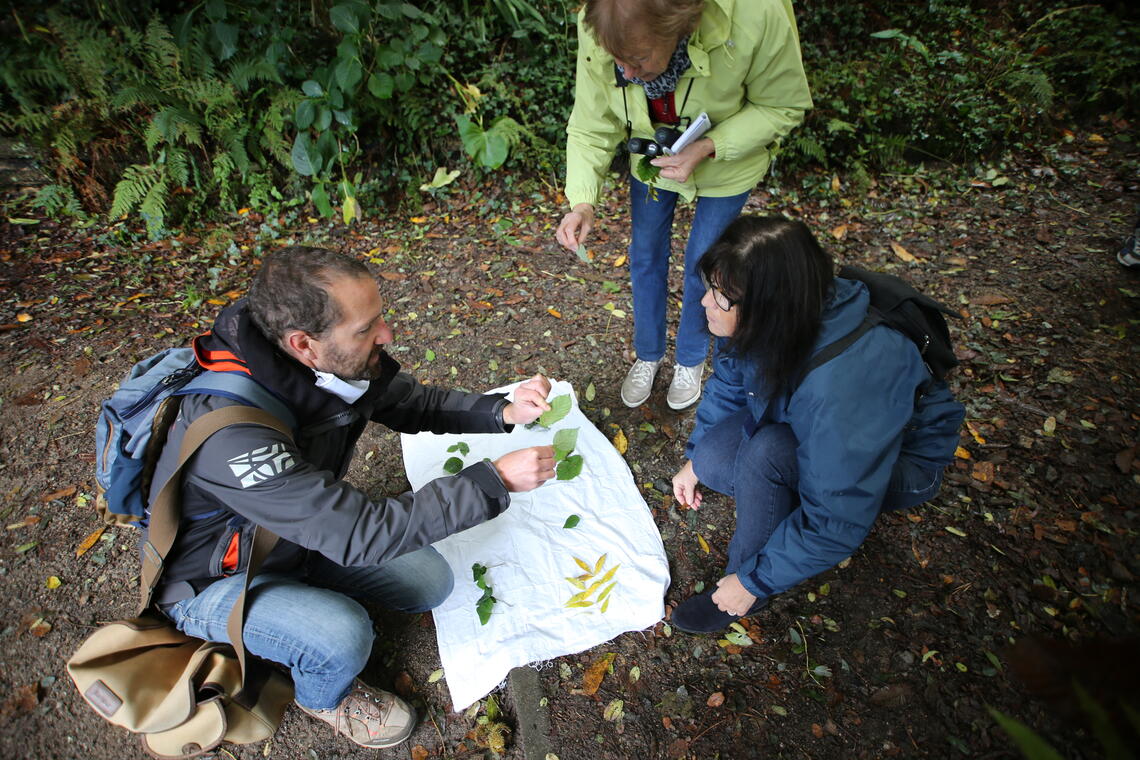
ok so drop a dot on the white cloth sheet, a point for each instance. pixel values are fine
(529, 555)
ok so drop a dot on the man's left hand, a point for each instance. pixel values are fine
(731, 596)
(529, 403)
(680, 166)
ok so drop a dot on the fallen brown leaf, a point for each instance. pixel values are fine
(62, 493)
(592, 679)
(716, 699)
(901, 252)
(88, 542)
(419, 752)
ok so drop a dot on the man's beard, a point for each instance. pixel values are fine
(346, 368)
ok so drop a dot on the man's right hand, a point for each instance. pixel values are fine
(526, 469)
(575, 227)
(685, 486)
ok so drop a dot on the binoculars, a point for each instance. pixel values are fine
(663, 138)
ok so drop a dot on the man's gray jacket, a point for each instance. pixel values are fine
(247, 475)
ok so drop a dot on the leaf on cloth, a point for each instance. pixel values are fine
(461, 447)
(564, 442)
(453, 465)
(570, 467)
(571, 522)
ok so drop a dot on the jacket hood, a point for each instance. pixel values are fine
(235, 344)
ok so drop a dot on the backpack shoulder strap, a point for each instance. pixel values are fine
(166, 510)
(239, 387)
(835, 348)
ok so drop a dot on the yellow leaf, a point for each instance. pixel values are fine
(584, 566)
(955, 531)
(605, 605)
(418, 219)
(23, 316)
(600, 564)
(216, 301)
(554, 313)
(580, 596)
(619, 260)
(974, 432)
(835, 184)
(901, 252)
(243, 211)
(961, 453)
(1095, 138)
(596, 672)
(609, 574)
(704, 544)
(583, 603)
(577, 583)
(88, 542)
(621, 443)
(839, 232)
(54, 582)
(606, 592)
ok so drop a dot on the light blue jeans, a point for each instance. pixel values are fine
(649, 252)
(312, 622)
(760, 472)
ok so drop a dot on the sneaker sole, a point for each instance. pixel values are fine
(685, 405)
(633, 404)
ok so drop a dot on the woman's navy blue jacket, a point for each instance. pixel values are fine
(853, 418)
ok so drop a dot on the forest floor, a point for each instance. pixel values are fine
(898, 652)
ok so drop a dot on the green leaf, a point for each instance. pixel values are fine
(571, 522)
(614, 711)
(226, 35)
(582, 254)
(453, 465)
(306, 160)
(559, 408)
(740, 639)
(321, 201)
(306, 113)
(312, 88)
(435, 675)
(483, 607)
(570, 467)
(564, 442)
(348, 74)
(489, 148)
(1030, 744)
(442, 177)
(429, 355)
(381, 85)
(343, 17)
(461, 447)
(323, 120)
(477, 573)
(646, 172)
(591, 392)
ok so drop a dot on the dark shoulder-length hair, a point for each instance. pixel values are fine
(778, 276)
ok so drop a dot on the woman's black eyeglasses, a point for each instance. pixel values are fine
(723, 302)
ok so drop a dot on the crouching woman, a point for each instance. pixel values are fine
(811, 460)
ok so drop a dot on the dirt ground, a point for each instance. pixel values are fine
(897, 653)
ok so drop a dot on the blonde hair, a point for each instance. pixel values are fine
(620, 26)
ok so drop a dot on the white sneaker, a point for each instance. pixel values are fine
(685, 388)
(639, 382)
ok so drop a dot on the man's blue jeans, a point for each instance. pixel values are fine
(649, 252)
(760, 472)
(313, 622)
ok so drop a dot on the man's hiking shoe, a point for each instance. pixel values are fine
(639, 382)
(370, 717)
(685, 388)
(1128, 255)
(699, 614)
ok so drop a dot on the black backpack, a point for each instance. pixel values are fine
(896, 304)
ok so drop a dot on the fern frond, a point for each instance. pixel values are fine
(244, 73)
(137, 182)
(160, 53)
(153, 206)
(178, 165)
(808, 146)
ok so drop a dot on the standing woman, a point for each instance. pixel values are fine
(810, 461)
(647, 63)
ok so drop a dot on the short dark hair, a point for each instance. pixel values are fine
(617, 25)
(291, 290)
(779, 276)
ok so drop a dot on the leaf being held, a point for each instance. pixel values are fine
(559, 408)
(453, 465)
(564, 442)
(570, 467)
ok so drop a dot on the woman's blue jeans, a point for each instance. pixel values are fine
(760, 472)
(312, 622)
(649, 253)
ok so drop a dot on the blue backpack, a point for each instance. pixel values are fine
(134, 421)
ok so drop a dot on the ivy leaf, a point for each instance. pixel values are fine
(570, 467)
(453, 465)
(564, 442)
(559, 408)
(571, 522)
(461, 447)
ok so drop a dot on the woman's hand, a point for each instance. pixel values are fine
(679, 167)
(575, 227)
(731, 596)
(685, 486)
